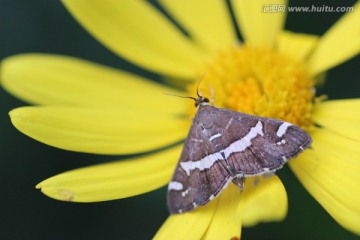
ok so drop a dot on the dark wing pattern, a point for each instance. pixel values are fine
(196, 187)
(224, 145)
(273, 145)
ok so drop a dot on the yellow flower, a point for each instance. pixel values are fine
(91, 108)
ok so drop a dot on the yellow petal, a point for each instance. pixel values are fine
(208, 22)
(340, 116)
(60, 80)
(114, 180)
(226, 224)
(265, 202)
(190, 225)
(330, 172)
(340, 43)
(105, 131)
(296, 45)
(258, 24)
(138, 32)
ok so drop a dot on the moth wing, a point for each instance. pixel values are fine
(191, 188)
(264, 144)
(223, 145)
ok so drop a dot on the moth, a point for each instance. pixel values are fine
(225, 146)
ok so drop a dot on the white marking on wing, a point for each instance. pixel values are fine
(214, 136)
(281, 142)
(245, 142)
(175, 186)
(229, 123)
(237, 146)
(184, 193)
(282, 129)
(211, 197)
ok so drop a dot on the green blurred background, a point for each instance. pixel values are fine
(45, 26)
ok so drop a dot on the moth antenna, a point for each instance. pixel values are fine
(170, 94)
(198, 101)
(197, 87)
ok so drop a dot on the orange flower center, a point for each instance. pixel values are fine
(261, 82)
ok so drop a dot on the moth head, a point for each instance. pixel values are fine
(201, 101)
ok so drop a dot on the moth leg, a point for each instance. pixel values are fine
(258, 178)
(256, 181)
(239, 181)
(268, 175)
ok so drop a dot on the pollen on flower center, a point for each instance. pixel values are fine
(261, 82)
